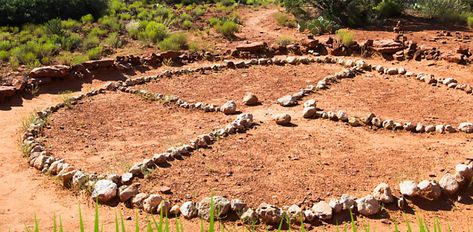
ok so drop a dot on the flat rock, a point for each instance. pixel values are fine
(287, 101)
(104, 190)
(127, 192)
(368, 206)
(449, 184)
(53, 71)
(221, 206)
(408, 188)
(269, 214)
(322, 210)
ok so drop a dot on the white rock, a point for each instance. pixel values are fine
(322, 210)
(342, 116)
(175, 210)
(429, 189)
(368, 206)
(249, 216)
(347, 201)
(310, 103)
(408, 188)
(440, 129)
(465, 171)
(466, 127)
(383, 193)
(295, 214)
(392, 71)
(449, 184)
(237, 206)
(228, 108)
(188, 210)
(309, 215)
(164, 206)
(337, 207)
(287, 100)
(221, 206)
(250, 99)
(104, 190)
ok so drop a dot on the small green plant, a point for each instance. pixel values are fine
(66, 98)
(284, 40)
(86, 19)
(284, 20)
(227, 28)
(345, 37)
(443, 10)
(174, 42)
(321, 25)
(95, 53)
(389, 8)
(114, 41)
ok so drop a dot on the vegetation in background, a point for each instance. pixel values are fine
(284, 40)
(345, 37)
(444, 10)
(389, 8)
(284, 20)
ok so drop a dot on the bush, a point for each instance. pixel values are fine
(199, 11)
(54, 27)
(443, 10)
(283, 20)
(114, 41)
(469, 21)
(284, 40)
(187, 24)
(71, 42)
(68, 58)
(91, 41)
(174, 42)
(110, 23)
(18, 12)
(345, 37)
(321, 25)
(4, 55)
(88, 18)
(227, 28)
(154, 32)
(389, 8)
(95, 53)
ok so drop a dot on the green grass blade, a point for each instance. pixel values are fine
(166, 224)
(202, 229)
(61, 228)
(117, 227)
(81, 221)
(96, 223)
(54, 221)
(123, 223)
(36, 224)
(396, 228)
(180, 223)
(149, 228)
(155, 223)
(161, 218)
(302, 225)
(137, 224)
(212, 215)
(352, 219)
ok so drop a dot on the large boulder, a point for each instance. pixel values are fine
(54, 71)
(104, 190)
(387, 46)
(6, 91)
(221, 207)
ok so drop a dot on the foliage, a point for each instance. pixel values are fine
(88, 18)
(18, 12)
(227, 28)
(469, 22)
(321, 25)
(443, 10)
(114, 41)
(95, 53)
(389, 8)
(345, 37)
(154, 32)
(284, 20)
(284, 40)
(174, 42)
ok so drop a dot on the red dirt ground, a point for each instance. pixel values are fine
(268, 83)
(110, 132)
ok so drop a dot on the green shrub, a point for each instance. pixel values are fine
(443, 10)
(68, 58)
(71, 42)
(91, 41)
(114, 41)
(5, 45)
(345, 37)
(227, 28)
(97, 32)
(70, 24)
(4, 55)
(199, 11)
(111, 23)
(187, 24)
(214, 21)
(155, 32)
(18, 12)
(469, 21)
(283, 20)
(95, 53)
(125, 16)
(54, 27)
(133, 29)
(284, 40)
(174, 42)
(87, 19)
(321, 25)
(389, 8)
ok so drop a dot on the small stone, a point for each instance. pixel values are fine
(408, 188)
(237, 206)
(128, 192)
(337, 207)
(188, 210)
(309, 215)
(429, 189)
(388, 124)
(249, 217)
(269, 214)
(440, 129)
(309, 112)
(165, 190)
(429, 128)
(164, 206)
(466, 127)
(354, 121)
(420, 128)
(282, 119)
(310, 103)
(175, 210)
(450, 129)
(402, 70)
(383, 193)
(104, 190)
(287, 100)
(465, 171)
(221, 206)
(295, 214)
(368, 206)
(322, 210)
(347, 201)
(126, 178)
(151, 203)
(228, 108)
(392, 71)
(137, 201)
(449, 184)
(342, 116)
(250, 99)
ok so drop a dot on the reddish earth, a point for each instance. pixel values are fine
(267, 82)
(398, 98)
(110, 132)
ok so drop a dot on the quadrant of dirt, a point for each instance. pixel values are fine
(110, 132)
(268, 83)
(315, 159)
(397, 98)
